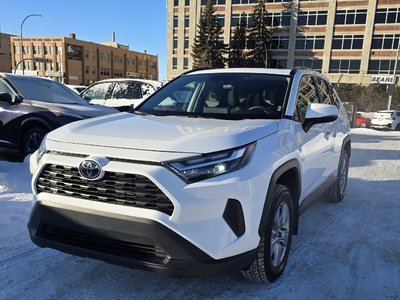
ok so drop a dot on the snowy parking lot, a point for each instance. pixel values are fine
(349, 250)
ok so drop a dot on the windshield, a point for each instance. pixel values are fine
(45, 90)
(221, 95)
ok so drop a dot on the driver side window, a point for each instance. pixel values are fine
(4, 88)
(98, 91)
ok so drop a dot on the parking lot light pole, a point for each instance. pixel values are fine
(391, 90)
(22, 47)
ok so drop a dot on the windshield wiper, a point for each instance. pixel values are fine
(142, 113)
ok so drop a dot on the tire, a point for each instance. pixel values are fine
(32, 139)
(337, 191)
(269, 265)
(397, 127)
(363, 125)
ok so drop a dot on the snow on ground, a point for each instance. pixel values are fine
(347, 250)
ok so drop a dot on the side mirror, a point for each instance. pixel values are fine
(317, 113)
(6, 97)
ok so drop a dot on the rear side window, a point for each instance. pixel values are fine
(127, 90)
(306, 94)
(98, 91)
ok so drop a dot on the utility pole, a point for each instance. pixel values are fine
(391, 90)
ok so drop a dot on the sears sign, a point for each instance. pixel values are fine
(382, 79)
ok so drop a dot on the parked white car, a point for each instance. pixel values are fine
(386, 119)
(76, 88)
(123, 94)
(207, 176)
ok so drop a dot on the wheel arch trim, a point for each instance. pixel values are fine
(292, 164)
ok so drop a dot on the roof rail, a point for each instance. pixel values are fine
(194, 70)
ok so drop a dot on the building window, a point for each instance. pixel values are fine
(221, 20)
(46, 50)
(347, 42)
(280, 42)
(105, 57)
(387, 15)
(59, 67)
(351, 66)
(175, 21)
(59, 50)
(186, 21)
(350, 17)
(118, 59)
(174, 63)
(185, 63)
(51, 50)
(118, 73)
(87, 69)
(105, 71)
(385, 41)
(279, 63)
(152, 65)
(315, 64)
(93, 70)
(281, 18)
(86, 54)
(176, 2)
(16, 49)
(187, 2)
(310, 42)
(310, 18)
(235, 19)
(175, 43)
(216, 2)
(382, 66)
(186, 42)
(243, 1)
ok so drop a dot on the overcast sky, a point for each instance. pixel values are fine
(141, 24)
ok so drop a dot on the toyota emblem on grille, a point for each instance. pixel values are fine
(90, 170)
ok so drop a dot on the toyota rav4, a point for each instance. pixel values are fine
(205, 177)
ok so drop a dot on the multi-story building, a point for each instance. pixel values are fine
(347, 40)
(73, 61)
(5, 53)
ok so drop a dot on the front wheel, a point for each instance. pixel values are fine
(275, 241)
(363, 125)
(32, 139)
(337, 191)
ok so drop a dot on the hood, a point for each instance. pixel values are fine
(171, 134)
(84, 110)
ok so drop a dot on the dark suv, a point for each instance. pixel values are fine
(32, 106)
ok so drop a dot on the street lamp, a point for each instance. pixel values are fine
(35, 59)
(22, 47)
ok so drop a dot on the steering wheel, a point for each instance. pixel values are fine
(257, 107)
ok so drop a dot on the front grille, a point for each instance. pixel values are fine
(137, 251)
(116, 188)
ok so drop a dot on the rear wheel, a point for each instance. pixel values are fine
(275, 241)
(32, 139)
(337, 191)
(397, 127)
(363, 125)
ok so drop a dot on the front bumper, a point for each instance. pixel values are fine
(129, 241)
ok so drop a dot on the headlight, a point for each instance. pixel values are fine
(42, 149)
(210, 165)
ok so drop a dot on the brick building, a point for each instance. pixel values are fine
(74, 61)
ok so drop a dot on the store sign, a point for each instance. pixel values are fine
(382, 79)
(74, 52)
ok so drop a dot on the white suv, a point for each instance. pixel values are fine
(386, 119)
(205, 177)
